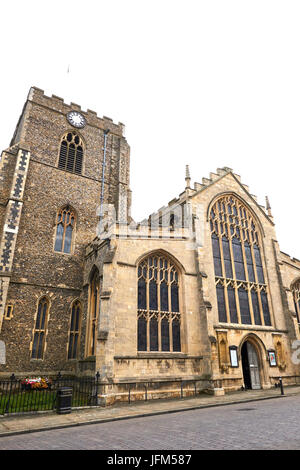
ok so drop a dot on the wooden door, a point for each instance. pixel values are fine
(254, 367)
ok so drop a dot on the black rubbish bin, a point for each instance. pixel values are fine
(64, 400)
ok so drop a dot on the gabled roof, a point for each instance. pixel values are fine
(221, 173)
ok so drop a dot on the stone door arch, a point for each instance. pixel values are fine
(252, 363)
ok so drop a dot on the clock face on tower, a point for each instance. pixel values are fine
(76, 119)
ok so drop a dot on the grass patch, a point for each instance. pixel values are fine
(23, 401)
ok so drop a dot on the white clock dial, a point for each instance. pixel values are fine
(76, 119)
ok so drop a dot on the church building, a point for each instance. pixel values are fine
(197, 293)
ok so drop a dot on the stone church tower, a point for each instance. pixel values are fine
(198, 293)
(53, 170)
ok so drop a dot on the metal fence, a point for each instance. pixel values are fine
(20, 396)
(180, 387)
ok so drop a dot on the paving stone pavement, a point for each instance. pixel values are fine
(11, 425)
(258, 425)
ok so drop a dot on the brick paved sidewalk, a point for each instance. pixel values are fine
(10, 425)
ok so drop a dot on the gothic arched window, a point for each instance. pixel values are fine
(40, 329)
(65, 223)
(71, 153)
(74, 333)
(158, 305)
(296, 296)
(242, 293)
(94, 307)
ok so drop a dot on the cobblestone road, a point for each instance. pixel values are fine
(270, 424)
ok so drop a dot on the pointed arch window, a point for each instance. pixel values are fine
(94, 307)
(71, 153)
(74, 333)
(242, 294)
(65, 224)
(40, 329)
(296, 296)
(159, 315)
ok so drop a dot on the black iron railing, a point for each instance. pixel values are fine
(180, 388)
(18, 395)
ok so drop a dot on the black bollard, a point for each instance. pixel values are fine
(281, 386)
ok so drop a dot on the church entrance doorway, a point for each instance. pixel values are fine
(250, 366)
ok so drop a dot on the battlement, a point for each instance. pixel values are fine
(213, 176)
(38, 96)
(285, 258)
(219, 174)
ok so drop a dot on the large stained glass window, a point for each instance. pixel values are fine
(242, 293)
(158, 305)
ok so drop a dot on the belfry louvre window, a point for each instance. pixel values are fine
(74, 334)
(158, 305)
(40, 329)
(65, 223)
(296, 297)
(71, 153)
(242, 294)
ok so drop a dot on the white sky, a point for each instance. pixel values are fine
(205, 83)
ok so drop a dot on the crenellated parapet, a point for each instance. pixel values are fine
(293, 262)
(198, 187)
(38, 96)
(56, 104)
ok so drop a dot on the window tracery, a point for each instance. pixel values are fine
(71, 153)
(65, 224)
(242, 293)
(159, 315)
(296, 297)
(74, 333)
(94, 307)
(40, 329)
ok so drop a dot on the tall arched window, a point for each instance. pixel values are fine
(158, 305)
(65, 223)
(71, 153)
(40, 330)
(296, 296)
(94, 306)
(74, 333)
(242, 293)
